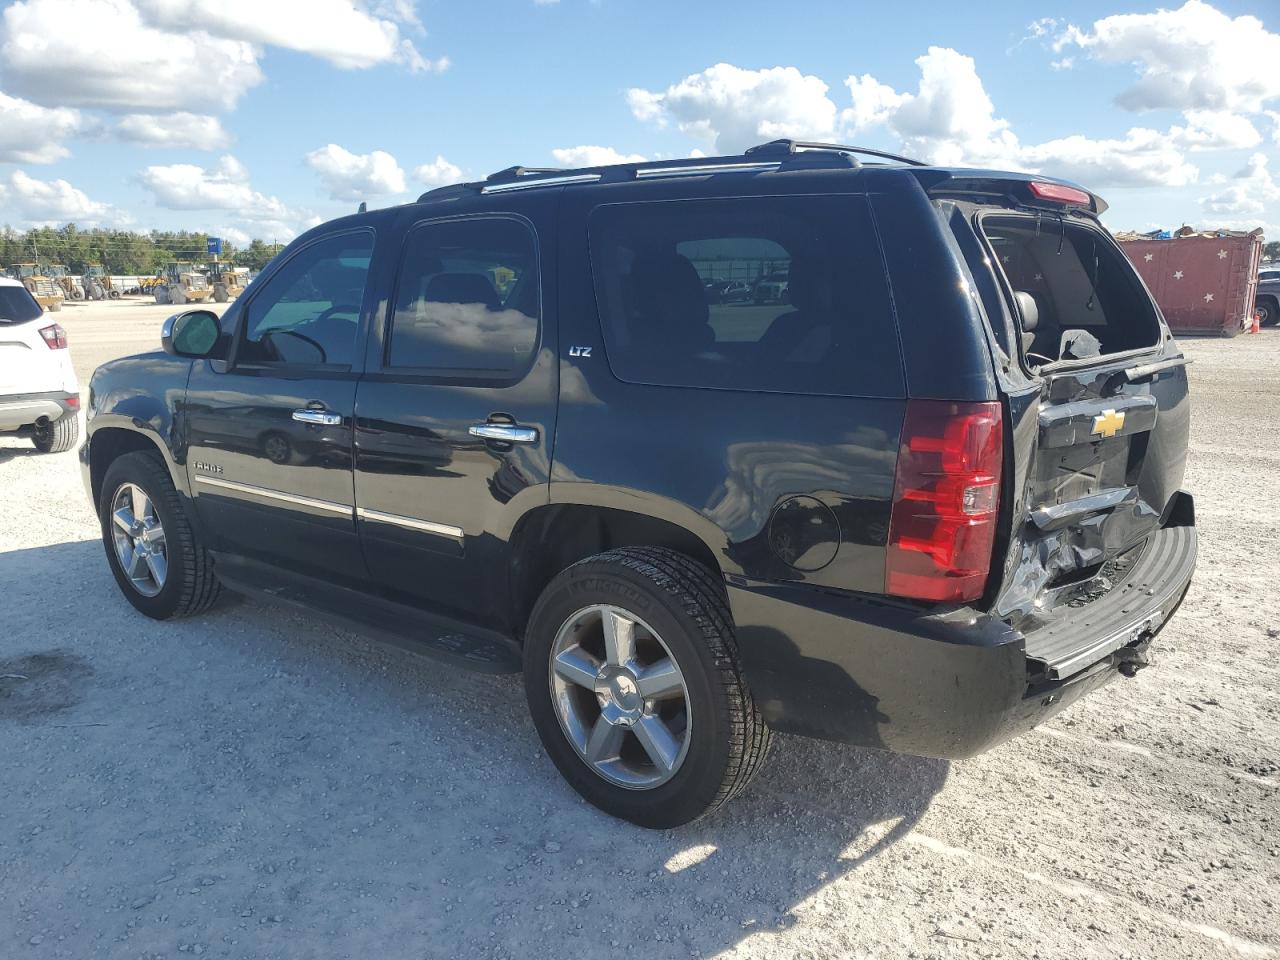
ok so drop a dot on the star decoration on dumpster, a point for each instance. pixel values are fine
(1177, 275)
(1208, 298)
(1222, 254)
(1148, 257)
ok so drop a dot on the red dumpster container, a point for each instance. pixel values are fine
(1205, 283)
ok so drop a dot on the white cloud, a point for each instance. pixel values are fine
(1249, 191)
(187, 55)
(728, 108)
(1141, 158)
(1216, 130)
(356, 176)
(100, 53)
(33, 134)
(1192, 58)
(344, 33)
(35, 202)
(949, 119)
(873, 101)
(178, 129)
(592, 156)
(225, 186)
(438, 173)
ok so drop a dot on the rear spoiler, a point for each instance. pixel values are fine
(1008, 188)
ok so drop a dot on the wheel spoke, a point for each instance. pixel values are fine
(141, 502)
(577, 666)
(124, 519)
(137, 565)
(158, 566)
(605, 741)
(658, 742)
(619, 637)
(661, 680)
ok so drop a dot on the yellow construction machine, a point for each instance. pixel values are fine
(180, 282)
(47, 292)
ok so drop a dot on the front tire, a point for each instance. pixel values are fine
(632, 676)
(159, 564)
(1266, 310)
(59, 436)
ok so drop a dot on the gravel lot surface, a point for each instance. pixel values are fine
(255, 783)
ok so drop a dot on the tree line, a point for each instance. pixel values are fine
(121, 252)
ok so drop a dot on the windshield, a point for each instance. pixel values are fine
(17, 306)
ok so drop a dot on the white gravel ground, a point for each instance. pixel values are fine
(255, 783)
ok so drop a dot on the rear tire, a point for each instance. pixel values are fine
(1267, 315)
(58, 436)
(681, 606)
(189, 584)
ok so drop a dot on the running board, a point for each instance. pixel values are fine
(418, 631)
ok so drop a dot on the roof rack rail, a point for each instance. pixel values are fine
(516, 172)
(788, 147)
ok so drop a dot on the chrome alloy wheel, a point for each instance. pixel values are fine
(139, 539)
(620, 697)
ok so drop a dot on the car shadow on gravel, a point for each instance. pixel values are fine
(301, 778)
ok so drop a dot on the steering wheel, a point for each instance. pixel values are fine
(300, 336)
(337, 308)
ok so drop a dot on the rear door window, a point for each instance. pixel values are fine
(468, 299)
(780, 294)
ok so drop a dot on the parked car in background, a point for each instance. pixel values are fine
(727, 291)
(39, 397)
(922, 507)
(1267, 303)
(772, 289)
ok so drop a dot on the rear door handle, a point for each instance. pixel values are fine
(322, 417)
(504, 431)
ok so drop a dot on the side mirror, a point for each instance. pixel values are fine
(192, 334)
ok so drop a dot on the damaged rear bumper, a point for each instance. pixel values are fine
(949, 683)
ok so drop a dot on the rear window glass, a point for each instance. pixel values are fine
(783, 294)
(17, 306)
(1086, 298)
(468, 298)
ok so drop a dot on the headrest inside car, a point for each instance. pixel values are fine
(1027, 307)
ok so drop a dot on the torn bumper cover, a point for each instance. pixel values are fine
(949, 683)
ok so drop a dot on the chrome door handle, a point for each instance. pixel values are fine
(322, 417)
(504, 431)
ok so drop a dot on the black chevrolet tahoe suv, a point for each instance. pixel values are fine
(921, 503)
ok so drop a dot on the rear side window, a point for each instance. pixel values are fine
(782, 294)
(17, 305)
(468, 298)
(1084, 293)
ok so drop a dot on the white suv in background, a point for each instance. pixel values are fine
(39, 397)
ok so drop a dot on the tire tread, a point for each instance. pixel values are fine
(702, 596)
(200, 588)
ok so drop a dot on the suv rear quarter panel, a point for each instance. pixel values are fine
(720, 462)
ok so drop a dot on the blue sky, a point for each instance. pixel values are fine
(274, 114)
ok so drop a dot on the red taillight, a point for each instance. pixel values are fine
(54, 336)
(72, 402)
(945, 500)
(1059, 193)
